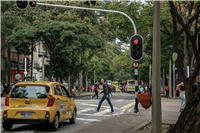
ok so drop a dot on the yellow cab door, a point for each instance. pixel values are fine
(59, 101)
(68, 103)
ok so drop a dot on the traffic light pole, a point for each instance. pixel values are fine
(92, 9)
(25, 67)
(136, 91)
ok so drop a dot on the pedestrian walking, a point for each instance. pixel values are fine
(146, 88)
(141, 87)
(105, 96)
(5, 85)
(194, 86)
(182, 95)
(96, 89)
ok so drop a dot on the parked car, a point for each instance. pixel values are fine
(47, 103)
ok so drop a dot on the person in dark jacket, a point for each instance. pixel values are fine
(194, 86)
(105, 96)
(96, 89)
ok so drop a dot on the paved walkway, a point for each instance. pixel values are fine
(131, 122)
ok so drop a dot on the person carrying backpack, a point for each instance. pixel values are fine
(105, 96)
(96, 90)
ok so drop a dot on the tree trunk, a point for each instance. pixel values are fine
(188, 90)
(189, 119)
(192, 61)
(32, 63)
(51, 67)
(9, 66)
(186, 52)
(61, 80)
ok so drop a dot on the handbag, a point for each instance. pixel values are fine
(145, 99)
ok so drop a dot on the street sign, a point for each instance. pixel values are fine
(174, 57)
(135, 64)
(18, 76)
(136, 83)
(136, 71)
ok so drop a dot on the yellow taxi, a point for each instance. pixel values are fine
(47, 103)
(100, 86)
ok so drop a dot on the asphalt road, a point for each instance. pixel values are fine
(87, 114)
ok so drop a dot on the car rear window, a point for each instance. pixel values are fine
(131, 82)
(30, 92)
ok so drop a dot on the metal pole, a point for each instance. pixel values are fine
(92, 9)
(136, 92)
(149, 74)
(170, 78)
(43, 67)
(94, 67)
(69, 89)
(174, 80)
(80, 74)
(156, 106)
(25, 69)
(188, 71)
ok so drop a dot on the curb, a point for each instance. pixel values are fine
(143, 124)
(83, 95)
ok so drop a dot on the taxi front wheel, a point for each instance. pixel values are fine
(7, 125)
(55, 124)
(73, 119)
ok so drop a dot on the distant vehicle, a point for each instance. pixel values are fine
(114, 85)
(100, 86)
(38, 102)
(109, 82)
(117, 89)
(2, 89)
(130, 86)
(121, 86)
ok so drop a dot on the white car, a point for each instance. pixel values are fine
(2, 88)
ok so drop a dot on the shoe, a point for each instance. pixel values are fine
(137, 112)
(112, 112)
(91, 97)
(181, 110)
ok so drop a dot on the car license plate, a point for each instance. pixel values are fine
(26, 115)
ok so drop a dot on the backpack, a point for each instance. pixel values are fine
(177, 92)
(93, 87)
(109, 89)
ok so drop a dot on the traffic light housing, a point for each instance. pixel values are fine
(136, 47)
(28, 64)
(22, 64)
(22, 4)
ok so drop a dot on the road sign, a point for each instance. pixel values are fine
(174, 57)
(18, 76)
(136, 71)
(136, 83)
(135, 64)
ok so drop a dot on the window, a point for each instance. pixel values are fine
(57, 90)
(131, 82)
(30, 92)
(65, 92)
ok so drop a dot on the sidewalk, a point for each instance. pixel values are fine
(132, 123)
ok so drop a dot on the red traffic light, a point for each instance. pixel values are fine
(32, 3)
(135, 41)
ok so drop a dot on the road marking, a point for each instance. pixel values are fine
(103, 112)
(120, 112)
(94, 115)
(120, 100)
(85, 110)
(97, 105)
(127, 105)
(83, 119)
(28, 131)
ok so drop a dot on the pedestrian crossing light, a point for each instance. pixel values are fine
(136, 47)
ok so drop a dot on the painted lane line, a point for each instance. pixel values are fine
(94, 115)
(103, 112)
(120, 100)
(91, 120)
(127, 105)
(85, 110)
(97, 105)
(120, 112)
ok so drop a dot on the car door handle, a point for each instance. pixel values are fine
(66, 101)
(58, 98)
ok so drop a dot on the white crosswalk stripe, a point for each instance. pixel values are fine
(103, 112)
(90, 120)
(85, 110)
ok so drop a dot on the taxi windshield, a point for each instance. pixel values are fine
(30, 92)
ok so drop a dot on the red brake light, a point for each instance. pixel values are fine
(51, 100)
(7, 100)
(5, 114)
(135, 41)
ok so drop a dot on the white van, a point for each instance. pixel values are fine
(130, 86)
